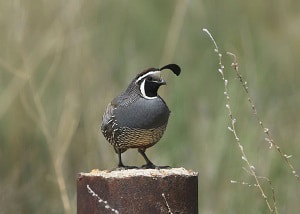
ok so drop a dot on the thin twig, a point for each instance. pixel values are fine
(266, 130)
(100, 200)
(232, 128)
(167, 204)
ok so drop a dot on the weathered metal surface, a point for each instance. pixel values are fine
(138, 191)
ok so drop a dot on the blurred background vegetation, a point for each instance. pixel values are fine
(61, 62)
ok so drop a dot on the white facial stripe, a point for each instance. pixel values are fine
(149, 73)
(142, 88)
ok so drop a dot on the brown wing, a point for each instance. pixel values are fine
(108, 121)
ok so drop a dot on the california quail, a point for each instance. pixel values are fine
(138, 117)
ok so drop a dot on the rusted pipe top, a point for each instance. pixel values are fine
(140, 172)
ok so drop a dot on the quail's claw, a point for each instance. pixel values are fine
(152, 166)
(119, 168)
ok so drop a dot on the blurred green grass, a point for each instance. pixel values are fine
(62, 62)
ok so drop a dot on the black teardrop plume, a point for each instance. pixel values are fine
(173, 67)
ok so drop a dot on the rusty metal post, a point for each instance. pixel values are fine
(138, 191)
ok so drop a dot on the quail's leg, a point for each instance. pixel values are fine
(121, 166)
(149, 164)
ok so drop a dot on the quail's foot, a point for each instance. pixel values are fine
(119, 168)
(152, 166)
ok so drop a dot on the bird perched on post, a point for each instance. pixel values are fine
(138, 117)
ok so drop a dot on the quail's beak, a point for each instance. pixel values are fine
(162, 82)
(158, 79)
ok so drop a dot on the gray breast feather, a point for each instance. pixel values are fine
(143, 114)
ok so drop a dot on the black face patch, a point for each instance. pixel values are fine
(151, 88)
(150, 85)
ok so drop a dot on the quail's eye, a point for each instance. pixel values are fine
(149, 78)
